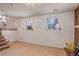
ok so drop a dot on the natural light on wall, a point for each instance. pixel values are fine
(2, 18)
(2, 22)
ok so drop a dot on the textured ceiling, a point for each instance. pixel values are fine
(30, 9)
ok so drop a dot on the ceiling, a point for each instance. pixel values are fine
(31, 9)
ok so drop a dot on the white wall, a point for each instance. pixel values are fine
(46, 37)
(9, 35)
(11, 23)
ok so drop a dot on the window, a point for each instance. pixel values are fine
(53, 23)
(29, 25)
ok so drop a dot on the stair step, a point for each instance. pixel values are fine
(4, 47)
(0, 34)
(0, 31)
(1, 37)
(2, 40)
(3, 43)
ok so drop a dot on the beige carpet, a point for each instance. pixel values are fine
(25, 49)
